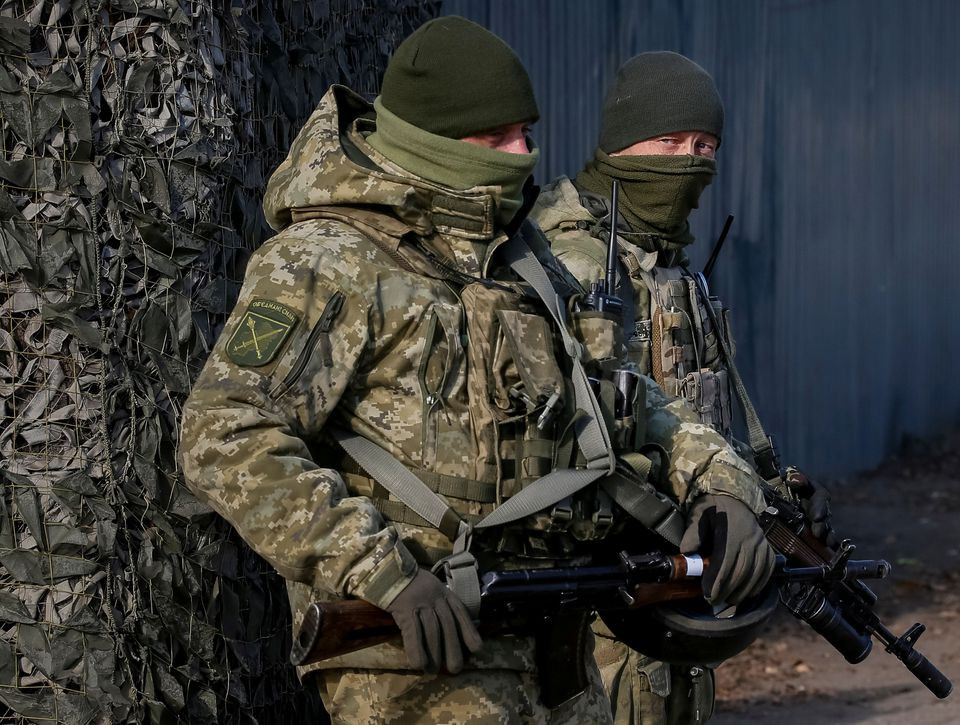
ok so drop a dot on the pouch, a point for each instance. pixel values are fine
(601, 335)
(514, 380)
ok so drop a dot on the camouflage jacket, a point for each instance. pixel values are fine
(354, 316)
(670, 336)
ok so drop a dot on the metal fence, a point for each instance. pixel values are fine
(841, 163)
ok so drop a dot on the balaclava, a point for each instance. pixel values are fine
(452, 78)
(654, 94)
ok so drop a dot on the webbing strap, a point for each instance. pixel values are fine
(757, 438)
(593, 437)
(647, 505)
(442, 483)
(460, 568)
(402, 483)
(400, 513)
(541, 494)
(461, 575)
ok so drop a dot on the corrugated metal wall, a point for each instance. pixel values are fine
(841, 163)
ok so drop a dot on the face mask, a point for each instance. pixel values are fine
(452, 163)
(657, 193)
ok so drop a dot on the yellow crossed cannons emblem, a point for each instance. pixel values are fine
(261, 333)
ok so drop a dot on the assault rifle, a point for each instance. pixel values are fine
(818, 585)
(553, 605)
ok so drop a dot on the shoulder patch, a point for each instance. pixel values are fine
(262, 331)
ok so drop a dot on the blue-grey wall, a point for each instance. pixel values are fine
(841, 163)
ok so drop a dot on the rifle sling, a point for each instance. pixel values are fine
(757, 438)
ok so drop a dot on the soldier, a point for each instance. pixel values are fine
(661, 128)
(384, 335)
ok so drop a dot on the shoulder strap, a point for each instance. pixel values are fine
(593, 437)
(460, 567)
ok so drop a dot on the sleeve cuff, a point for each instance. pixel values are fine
(388, 577)
(724, 479)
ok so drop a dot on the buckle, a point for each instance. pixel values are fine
(561, 515)
(602, 521)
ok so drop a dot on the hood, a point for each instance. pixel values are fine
(559, 207)
(561, 214)
(330, 164)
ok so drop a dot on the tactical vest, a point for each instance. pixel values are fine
(670, 335)
(524, 417)
(676, 336)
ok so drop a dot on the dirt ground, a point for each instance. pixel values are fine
(908, 512)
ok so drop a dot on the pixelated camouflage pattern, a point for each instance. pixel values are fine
(644, 691)
(601, 336)
(391, 365)
(565, 221)
(701, 460)
(673, 339)
(397, 344)
(474, 697)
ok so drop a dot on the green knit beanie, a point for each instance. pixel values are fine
(657, 93)
(453, 78)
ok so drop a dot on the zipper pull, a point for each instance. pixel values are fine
(550, 409)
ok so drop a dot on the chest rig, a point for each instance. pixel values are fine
(671, 336)
(544, 417)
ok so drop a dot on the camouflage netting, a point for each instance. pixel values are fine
(137, 136)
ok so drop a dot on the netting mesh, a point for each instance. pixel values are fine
(137, 138)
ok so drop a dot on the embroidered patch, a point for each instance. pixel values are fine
(262, 331)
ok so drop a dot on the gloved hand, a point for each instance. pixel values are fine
(434, 624)
(741, 560)
(814, 499)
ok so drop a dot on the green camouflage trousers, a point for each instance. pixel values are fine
(473, 697)
(643, 691)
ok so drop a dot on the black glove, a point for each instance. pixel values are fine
(741, 560)
(814, 499)
(434, 624)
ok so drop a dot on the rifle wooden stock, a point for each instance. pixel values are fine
(335, 628)
(341, 626)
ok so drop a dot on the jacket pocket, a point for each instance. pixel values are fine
(438, 362)
(525, 372)
(318, 340)
(431, 377)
